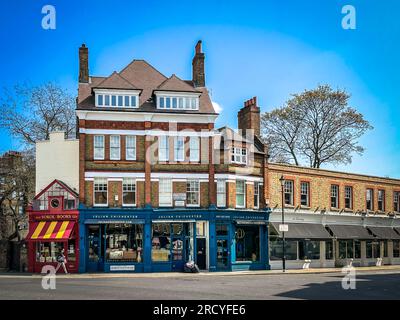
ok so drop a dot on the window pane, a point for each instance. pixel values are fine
(100, 191)
(168, 103)
(162, 105)
(107, 100)
(161, 242)
(129, 192)
(193, 192)
(133, 101)
(127, 101)
(114, 147)
(130, 147)
(179, 149)
(100, 100)
(194, 149)
(120, 100)
(221, 193)
(113, 101)
(240, 193)
(165, 192)
(98, 147)
(124, 242)
(248, 243)
(163, 148)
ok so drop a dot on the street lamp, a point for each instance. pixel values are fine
(282, 181)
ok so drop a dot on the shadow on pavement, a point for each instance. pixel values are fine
(378, 286)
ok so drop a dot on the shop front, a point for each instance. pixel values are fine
(162, 240)
(53, 228)
(239, 240)
(142, 240)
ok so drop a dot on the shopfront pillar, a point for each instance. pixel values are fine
(147, 246)
(232, 240)
(264, 247)
(212, 245)
(82, 247)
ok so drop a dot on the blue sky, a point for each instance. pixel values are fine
(267, 49)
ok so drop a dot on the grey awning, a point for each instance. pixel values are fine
(350, 232)
(385, 233)
(304, 231)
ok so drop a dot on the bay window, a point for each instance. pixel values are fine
(240, 193)
(115, 148)
(165, 193)
(193, 193)
(129, 192)
(98, 147)
(100, 192)
(130, 146)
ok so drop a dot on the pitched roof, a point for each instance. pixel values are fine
(115, 81)
(175, 84)
(144, 76)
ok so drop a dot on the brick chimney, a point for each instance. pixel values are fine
(83, 64)
(198, 75)
(249, 117)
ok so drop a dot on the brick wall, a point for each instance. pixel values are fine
(320, 186)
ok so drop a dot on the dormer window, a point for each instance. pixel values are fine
(239, 155)
(117, 98)
(176, 101)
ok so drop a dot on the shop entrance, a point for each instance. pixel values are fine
(201, 253)
(95, 253)
(223, 247)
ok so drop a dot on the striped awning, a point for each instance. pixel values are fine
(50, 230)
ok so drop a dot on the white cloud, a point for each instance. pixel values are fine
(217, 107)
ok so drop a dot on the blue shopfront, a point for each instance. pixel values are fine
(159, 240)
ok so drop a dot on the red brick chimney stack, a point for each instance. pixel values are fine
(83, 64)
(198, 75)
(249, 117)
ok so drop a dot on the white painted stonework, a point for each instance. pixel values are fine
(57, 158)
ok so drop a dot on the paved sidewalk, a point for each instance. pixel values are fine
(201, 274)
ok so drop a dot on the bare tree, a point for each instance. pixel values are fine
(30, 113)
(317, 126)
(17, 188)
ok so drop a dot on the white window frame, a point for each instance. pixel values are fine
(239, 155)
(161, 147)
(288, 188)
(132, 147)
(335, 194)
(184, 101)
(305, 183)
(396, 199)
(133, 95)
(129, 185)
(179, 153)
(244, 193)
(100, 182)
(194, 149)
(221, 193)
(191, 186)
(167, 194)
(115, 147)
(370, 192)
(256, 194)
(348, 194)
(102, 148)
(381, 198)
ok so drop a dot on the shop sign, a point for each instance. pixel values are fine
(43, 217)
(179, 203)
(122, 268)
(283, 227)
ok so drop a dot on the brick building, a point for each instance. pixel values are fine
(159, 185)
(334, 218)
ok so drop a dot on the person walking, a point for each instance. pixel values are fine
(61, 262)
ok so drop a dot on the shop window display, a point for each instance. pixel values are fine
(247, 243)
(48, 251)
(124, 242)
(161, 242)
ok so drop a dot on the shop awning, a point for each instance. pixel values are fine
(50, 230)
(350, 232)
(385, 233)
(303, 231)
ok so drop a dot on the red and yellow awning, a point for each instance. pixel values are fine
(50, 230)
